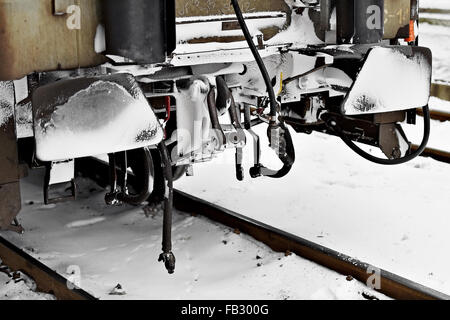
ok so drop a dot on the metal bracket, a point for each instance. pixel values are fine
(58, 173)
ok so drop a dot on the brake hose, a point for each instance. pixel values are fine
(258, 59)
(288, 156)
(426, 135)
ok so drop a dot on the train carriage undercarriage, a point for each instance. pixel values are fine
(159, 86)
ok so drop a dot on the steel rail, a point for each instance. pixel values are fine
(438, 155)
(436, 115)
(391, 285)
(440, 90)
(46, 279)
(435, 21)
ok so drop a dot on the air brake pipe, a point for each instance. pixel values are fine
(285, 147)
(259, 61)
(123, 196)
(167, 256)
(334, 125)
(136, 199)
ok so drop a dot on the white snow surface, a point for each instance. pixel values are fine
(120, 245)
(391, 217)
(437, 38)
(439, 4)
(189, 31)
(22, 288)
(100, 39)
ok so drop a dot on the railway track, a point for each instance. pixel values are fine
(442, 116)
(46, 279)
(440, 17)
(390, 284)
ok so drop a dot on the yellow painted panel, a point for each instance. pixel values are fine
(32, 38)
(193, 8)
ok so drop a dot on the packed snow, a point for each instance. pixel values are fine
(437, 38)
(18, 286)
(69, 133)
(119, 246)
(441, 4)
(392, 217)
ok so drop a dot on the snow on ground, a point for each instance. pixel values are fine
(20, 288)
(440, 4)
(440, 131)
(437, 38)
(121, 245)
(392, 217)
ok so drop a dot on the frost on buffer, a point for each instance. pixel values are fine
(92, 116)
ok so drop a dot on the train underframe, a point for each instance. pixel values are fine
(337, 67)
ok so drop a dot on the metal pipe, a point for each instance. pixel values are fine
(167, 256)
(137, 199)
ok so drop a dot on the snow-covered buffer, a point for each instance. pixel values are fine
(393, 78)
(91, 116)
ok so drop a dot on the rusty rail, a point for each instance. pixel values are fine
(46, 279)
(441, 91)
(436, 22)
(434, 10)
(436, 115)
(438, 155)
(391, 285)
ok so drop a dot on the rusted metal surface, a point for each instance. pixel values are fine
(197, 8)
(438, 155)
(47, 280)
(8, 155)
(10, 203)
(217, 11)
(436, 22)
(436, 115)
(391, 285)
(441, 91)
(397, 14)
(433, 10)
(33, 38)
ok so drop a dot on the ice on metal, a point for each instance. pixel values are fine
(102, 118)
